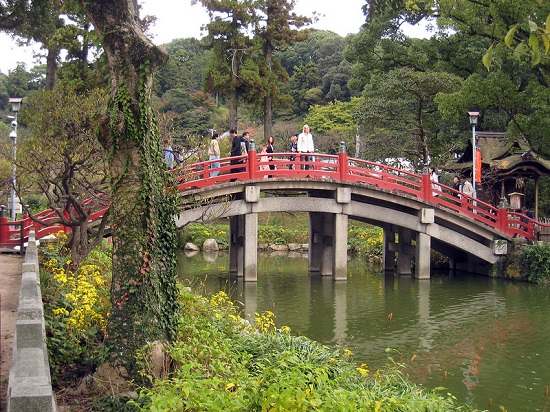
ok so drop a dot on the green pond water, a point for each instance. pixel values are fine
(484, 340)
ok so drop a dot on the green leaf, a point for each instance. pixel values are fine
(546, 41)
(488, 58)
(548, 23)
(533, 26)
(535, 57)
(533, 41)
(510, 36)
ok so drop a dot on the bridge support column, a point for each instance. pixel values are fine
(250, 255)
(233, 244)
(243, 246)
(328, 244)
(340, 247)
(316, 235)
(388, 253)
(405, 252)
(243, 240)
(423, 247)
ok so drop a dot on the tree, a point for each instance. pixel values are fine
(335, 123)
(143, 203)
(401, 117)
(319, 72)
(230, 21)
(62, 158)
(521, 27)
(279, 29)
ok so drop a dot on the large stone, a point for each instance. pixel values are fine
(294, 246)
(210, 245)
(191, 246)
(278, 247)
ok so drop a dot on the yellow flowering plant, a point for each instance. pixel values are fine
(76, 306)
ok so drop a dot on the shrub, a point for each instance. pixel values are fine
(535, 261)
(366, 240)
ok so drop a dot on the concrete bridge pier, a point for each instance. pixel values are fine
(422, 256)
(328, 240)
(388, 249)
(243, 246)
(424, 245)
(405, 252)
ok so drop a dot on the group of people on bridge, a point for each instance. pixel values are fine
(240, 145)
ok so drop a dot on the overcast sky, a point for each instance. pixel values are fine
(178, 19)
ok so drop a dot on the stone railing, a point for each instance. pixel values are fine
(30, 388)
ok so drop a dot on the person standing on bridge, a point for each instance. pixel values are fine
(456, 186)
(168, 154)
(214, 154)
(434, 178)
(293, 148)
(271, 149)
(235, 149)
(465, 186)
(305, 145)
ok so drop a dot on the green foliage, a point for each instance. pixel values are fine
(36, 202)
(224, 363)
(335, 123)
(366, 239)
(536, 262)
(363, 239)
(400, 116)
(199, 232)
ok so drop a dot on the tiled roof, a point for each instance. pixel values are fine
(508, 157)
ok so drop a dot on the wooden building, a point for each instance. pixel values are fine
(505, 167)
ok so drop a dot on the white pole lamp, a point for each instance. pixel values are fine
(15, 107)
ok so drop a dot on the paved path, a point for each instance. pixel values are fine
(10, 285)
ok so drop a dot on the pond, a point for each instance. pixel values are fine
(484, 340)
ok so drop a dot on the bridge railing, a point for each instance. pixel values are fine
(15, 234)
(342, 168)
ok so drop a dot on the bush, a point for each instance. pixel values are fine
(535, 262)
(199, 232)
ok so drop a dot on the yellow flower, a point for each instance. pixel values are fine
(363, 370)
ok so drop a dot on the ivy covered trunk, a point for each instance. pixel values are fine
(143, 292)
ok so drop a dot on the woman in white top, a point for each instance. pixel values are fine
(305, 145)
(434, 178)
(214, 154)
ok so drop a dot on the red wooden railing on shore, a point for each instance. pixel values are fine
(254, 166)
(15, 234)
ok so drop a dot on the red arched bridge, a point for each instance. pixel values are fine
(416, 214)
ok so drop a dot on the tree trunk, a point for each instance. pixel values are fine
(51, 68)
(268, 100)
(268, 121)
(143, 204)
(233, 99)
